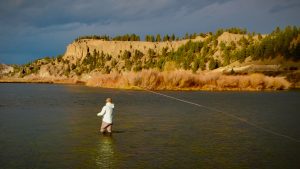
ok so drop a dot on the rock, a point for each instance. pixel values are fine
(4, 69)
(77, 51)
(249, 69)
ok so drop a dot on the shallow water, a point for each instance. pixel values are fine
(55, 126)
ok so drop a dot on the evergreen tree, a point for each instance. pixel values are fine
(166, 37)
(158, 38)
(173, 37)
(186, 36)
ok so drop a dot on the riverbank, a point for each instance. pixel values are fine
(171, 80)
(35, 80)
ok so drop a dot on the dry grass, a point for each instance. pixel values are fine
(186, 80)
(167, 80)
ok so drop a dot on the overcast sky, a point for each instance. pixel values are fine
(31, 29)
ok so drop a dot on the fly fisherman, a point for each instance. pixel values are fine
(107, 113)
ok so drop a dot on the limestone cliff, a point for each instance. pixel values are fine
(77, 50)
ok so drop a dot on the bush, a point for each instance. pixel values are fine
(179, 79)
(213, 64)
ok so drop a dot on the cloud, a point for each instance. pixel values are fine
(43, 13)
(285, 6)
(38, 28)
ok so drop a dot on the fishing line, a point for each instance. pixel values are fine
(227, 114)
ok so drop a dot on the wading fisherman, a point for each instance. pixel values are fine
(107, 113)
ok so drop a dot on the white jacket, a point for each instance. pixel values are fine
(107, 111)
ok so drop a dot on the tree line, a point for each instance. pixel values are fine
(159, 37)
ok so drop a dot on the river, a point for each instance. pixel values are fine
(55, 126)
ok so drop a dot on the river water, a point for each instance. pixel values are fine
(55, 126)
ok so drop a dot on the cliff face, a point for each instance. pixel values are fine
(77, 51)
(4, 69)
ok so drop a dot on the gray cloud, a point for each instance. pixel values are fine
(36, 28)
(43, 13)
(285, 6)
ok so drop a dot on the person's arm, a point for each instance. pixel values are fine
(102, 112)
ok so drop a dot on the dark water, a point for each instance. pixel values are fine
(55, 126)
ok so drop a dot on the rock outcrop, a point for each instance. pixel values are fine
(4, 69)
(77, 50)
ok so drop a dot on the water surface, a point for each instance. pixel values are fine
(55, 126)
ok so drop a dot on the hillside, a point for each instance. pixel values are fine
(228, 52)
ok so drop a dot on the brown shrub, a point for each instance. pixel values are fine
(244, 82)
(182, 80)
(257, 81)
(276, 83)
(228, 82)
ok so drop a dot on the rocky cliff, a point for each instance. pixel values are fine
(78, 50)
(4, 69)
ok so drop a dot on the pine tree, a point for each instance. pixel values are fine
(158, 38)
(166, 37)
(173, 37)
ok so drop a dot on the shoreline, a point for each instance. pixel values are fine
(137, 88)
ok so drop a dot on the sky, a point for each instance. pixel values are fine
(31, 29)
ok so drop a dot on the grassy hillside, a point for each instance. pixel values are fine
(215, 51)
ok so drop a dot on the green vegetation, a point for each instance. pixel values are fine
(284, 43)
(149, 38)
(99, 37)
(236, 30)
(195, 55)
(126, 37)
(158, 37)
(34, 66)
(94, 61)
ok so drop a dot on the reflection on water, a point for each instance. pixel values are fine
(105, 152)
